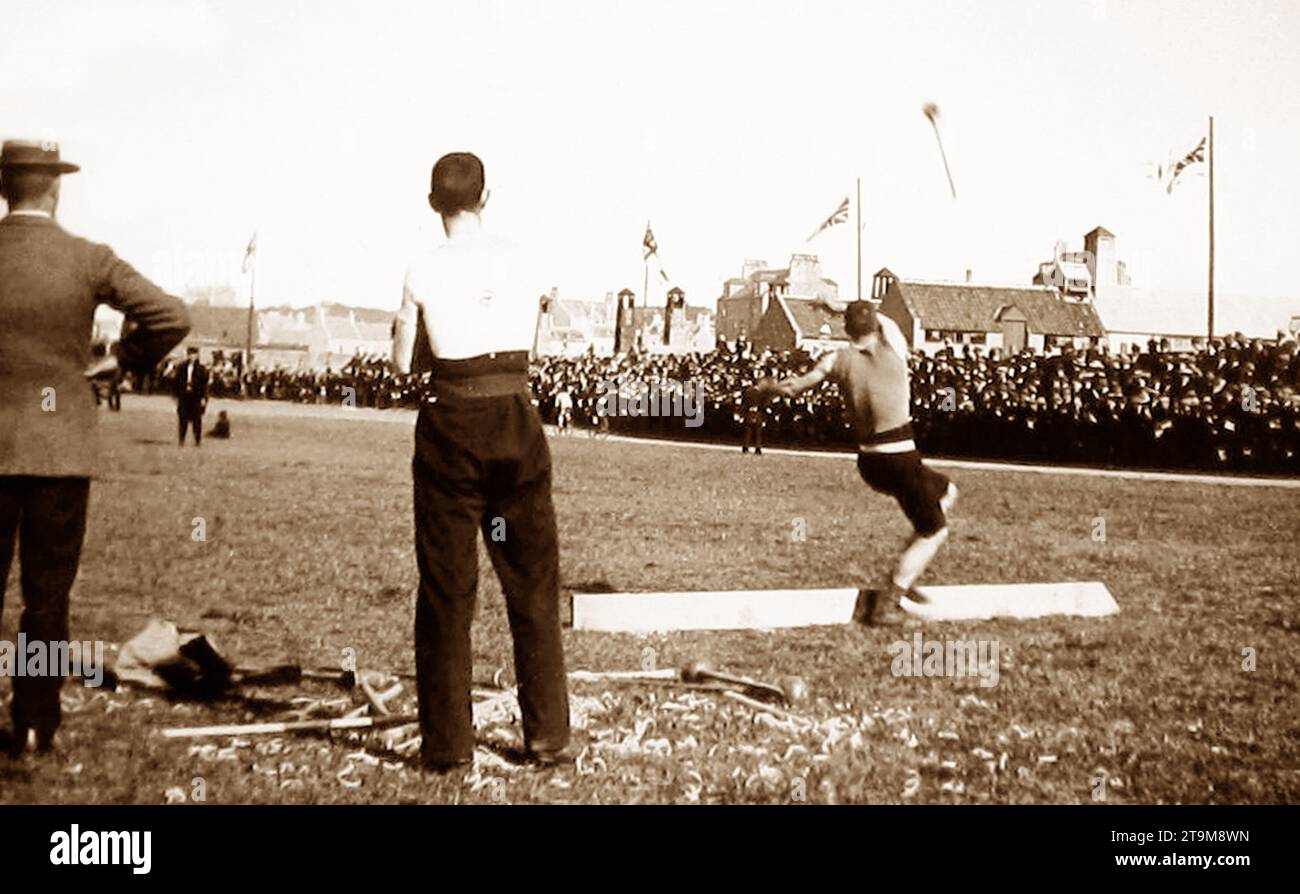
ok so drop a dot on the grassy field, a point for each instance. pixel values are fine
(309, 552)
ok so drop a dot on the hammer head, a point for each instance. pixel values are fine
(697, 672)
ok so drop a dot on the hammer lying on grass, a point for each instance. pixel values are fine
(484, 676)
(368, 682)
(291, 726)
(790, 690)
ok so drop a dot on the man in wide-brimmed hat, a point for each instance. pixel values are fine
(50, 285)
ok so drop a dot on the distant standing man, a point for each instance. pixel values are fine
(752, 409)
(191, 390)
(872, 375)
(115, 391)
(50, 284)
(481, 463)
(563, 410)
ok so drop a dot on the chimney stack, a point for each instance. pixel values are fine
(805, 275)
(1099, 246)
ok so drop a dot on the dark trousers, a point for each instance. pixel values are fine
(753, 436)
(915, 486)
(483, 464)
(190, 414)
(47, 518)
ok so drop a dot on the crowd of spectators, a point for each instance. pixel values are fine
(363, 382)
(1231, 404)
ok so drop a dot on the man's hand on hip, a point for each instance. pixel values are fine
(102, 367)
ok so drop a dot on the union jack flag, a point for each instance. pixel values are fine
(840, 215)
(1175, 170)
(648, 243)
(250, 253)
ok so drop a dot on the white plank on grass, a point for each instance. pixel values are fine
(771, 609)
(717, 610)
(1086, 599)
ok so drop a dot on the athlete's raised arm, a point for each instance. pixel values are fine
(892, 335)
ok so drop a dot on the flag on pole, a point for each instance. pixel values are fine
(652, 248)
(648, 243)
(839, 216)
(1173, 171)
(250, 253)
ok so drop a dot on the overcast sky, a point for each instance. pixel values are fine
(735, 128)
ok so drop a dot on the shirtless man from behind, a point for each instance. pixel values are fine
(873, 378)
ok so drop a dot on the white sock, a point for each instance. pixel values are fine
(916, 557)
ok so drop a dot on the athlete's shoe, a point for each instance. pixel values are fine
(914, 595)
(865, 605)
(877, 609)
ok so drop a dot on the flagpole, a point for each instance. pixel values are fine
(645, 264)
(1210, 289)
(248, 341)
(859, 225)
(645, 299)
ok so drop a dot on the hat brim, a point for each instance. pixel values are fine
(59, 167)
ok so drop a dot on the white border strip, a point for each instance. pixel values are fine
(1130, 474)
(775, 609)
(405, 416)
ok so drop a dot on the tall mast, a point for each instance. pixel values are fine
(1209, 334)
(859, 226)
(248, 340)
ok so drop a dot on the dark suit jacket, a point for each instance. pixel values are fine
(50, 284)
(193, 393)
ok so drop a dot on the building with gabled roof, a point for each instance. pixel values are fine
(933, 314)
(214, 328)
(746, 299)
(1136, 315)
(800, 324)
(571, 327)
(675, 328)
(332, 334)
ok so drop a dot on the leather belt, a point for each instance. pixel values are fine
(494, 385)
(487, 375)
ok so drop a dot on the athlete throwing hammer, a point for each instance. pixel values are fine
(872, 376)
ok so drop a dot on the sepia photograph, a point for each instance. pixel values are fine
(884, 406)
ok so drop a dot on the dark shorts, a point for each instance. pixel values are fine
(915, 486)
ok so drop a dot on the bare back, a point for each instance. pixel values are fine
(874, 382)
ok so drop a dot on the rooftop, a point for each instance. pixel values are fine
(809, 316)
(967, 307)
